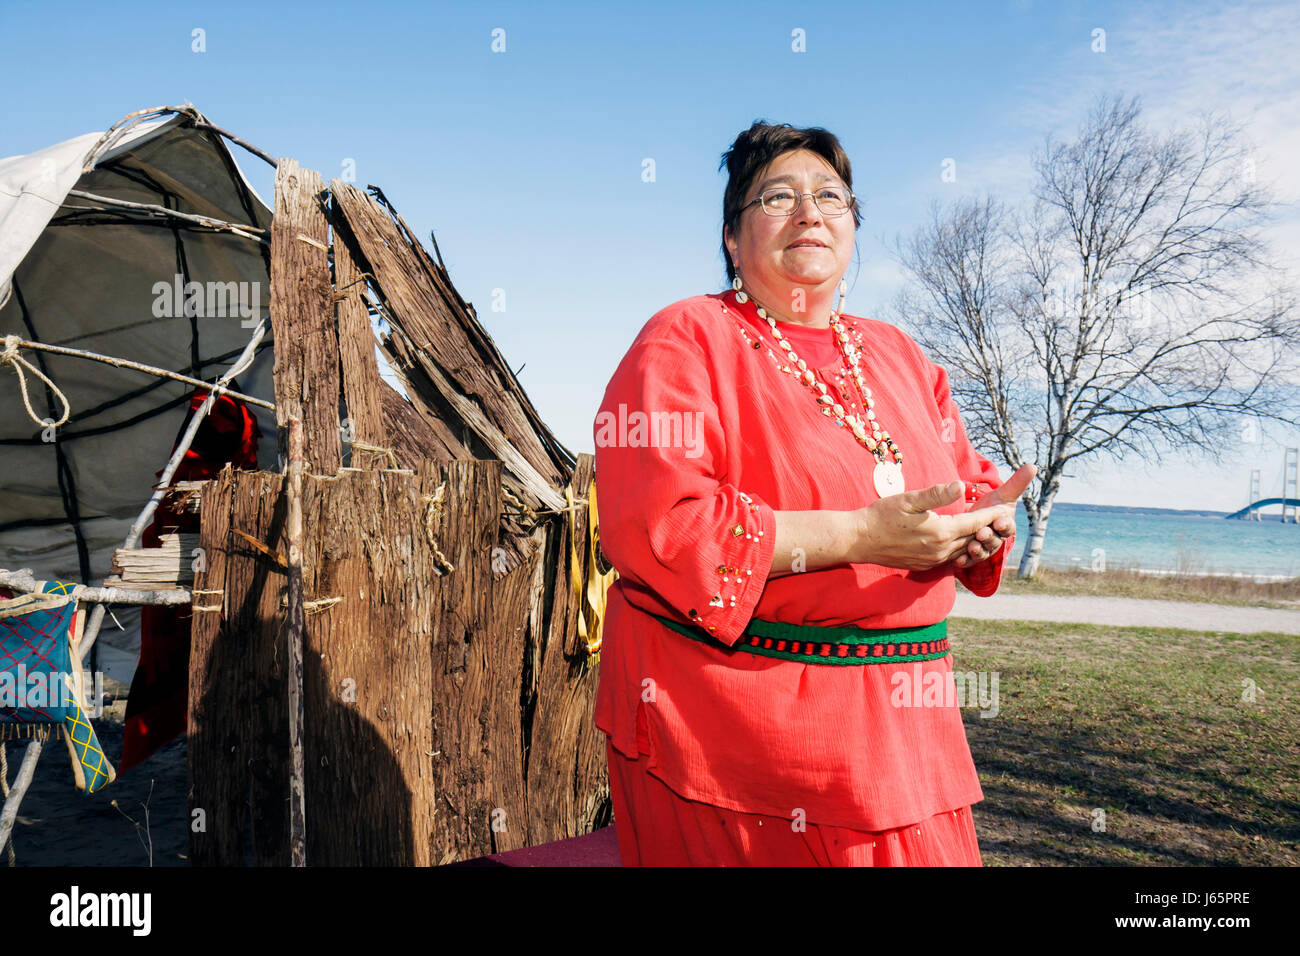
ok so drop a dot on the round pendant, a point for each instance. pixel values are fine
(887, 476)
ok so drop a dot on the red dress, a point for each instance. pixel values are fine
(699, 438)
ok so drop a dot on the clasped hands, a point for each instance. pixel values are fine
(905, 532)
(984, 543)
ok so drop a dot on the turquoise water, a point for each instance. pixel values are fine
(1154, 539)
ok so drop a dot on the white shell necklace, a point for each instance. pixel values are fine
(887, 475)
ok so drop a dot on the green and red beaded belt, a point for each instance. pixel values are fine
(812, 644)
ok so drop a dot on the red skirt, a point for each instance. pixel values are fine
(657, 827)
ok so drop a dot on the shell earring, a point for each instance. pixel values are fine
(844, 291)
(736, 284)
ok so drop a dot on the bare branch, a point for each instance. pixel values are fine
(1179, 322)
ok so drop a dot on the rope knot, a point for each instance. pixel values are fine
(14, 360)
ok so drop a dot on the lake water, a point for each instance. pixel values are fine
(1161, 540)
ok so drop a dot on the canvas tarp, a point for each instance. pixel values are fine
(79, 273)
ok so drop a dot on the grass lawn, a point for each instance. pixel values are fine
(1147, 724)
(1179, 587)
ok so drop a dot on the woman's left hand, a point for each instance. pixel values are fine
(986, 542)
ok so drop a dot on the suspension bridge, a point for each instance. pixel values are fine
(1289, 499)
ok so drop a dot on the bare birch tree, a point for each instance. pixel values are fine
(1131, 308)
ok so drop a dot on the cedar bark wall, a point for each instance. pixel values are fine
(238, 711)
(448, 696)
(448, 714)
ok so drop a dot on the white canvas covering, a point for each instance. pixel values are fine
(74, 276)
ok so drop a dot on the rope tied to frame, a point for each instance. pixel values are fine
(25, 604)
(377, 449)
(431, 516)
(524, 511)
(13, 343)
(324, 604)
(342, 292)
(211, 607)
(317, 606)
(13, 358)
(581, 505)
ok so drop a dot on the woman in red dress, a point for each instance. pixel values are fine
(787, 492)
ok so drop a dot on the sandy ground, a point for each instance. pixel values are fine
(59, 826)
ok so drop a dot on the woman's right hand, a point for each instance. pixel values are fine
(902, 531)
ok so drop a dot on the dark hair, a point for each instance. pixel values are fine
(754, 149)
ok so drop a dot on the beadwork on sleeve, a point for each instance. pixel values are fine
(742, 540)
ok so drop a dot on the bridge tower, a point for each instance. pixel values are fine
(1290, 489)
(1254, 495)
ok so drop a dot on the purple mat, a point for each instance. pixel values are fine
(599, 848)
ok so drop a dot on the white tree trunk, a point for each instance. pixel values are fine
(1037, 534)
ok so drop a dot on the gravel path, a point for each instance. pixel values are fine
(1127, 612)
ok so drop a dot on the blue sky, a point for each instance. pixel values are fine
(528, 163)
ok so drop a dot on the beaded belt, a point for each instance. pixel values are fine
(812, 644)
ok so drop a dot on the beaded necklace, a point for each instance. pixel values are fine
(887, 475)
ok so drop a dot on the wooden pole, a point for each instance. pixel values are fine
(23, 580)
(218, 225)
(183, 446)
(21, 783)
(302, 318)
(294, 631)
(96, 617)
(136, 366)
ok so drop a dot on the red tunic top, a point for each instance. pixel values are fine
(699, 438)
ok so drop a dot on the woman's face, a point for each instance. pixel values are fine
(775, 254)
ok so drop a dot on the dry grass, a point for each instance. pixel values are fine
(1176, 587)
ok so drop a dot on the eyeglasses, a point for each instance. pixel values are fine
(783, 200)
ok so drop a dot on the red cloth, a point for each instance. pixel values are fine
(157, 706)
(656, 827)
(737, 730)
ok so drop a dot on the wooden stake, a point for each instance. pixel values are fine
(297, 787)
(21, 783)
